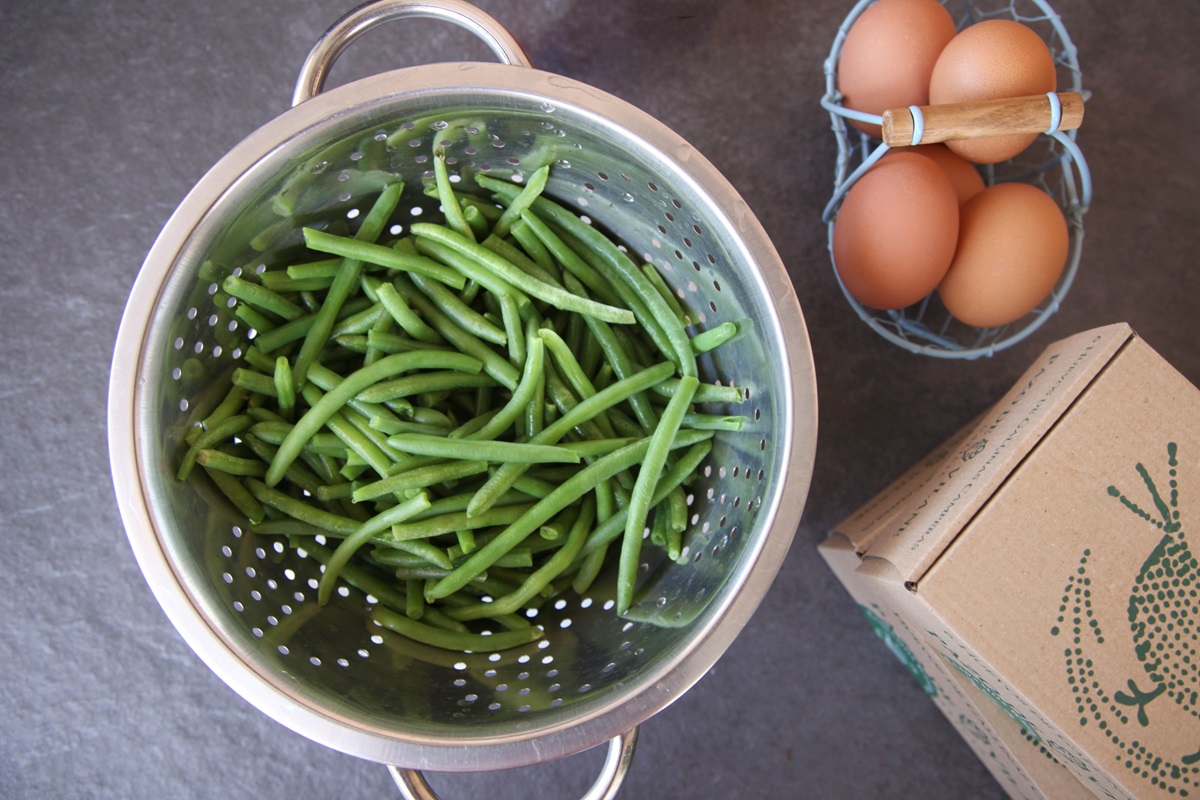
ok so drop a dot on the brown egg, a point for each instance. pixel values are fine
(895, 232)
(888, 56)
(1012, 247)
(991, 60)
(964, 176)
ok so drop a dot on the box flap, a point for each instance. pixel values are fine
(946, 495)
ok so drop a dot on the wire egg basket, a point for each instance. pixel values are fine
(246, 603)
(1054, 162)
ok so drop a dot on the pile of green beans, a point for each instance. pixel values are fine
(475, 416)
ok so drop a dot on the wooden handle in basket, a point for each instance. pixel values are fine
(1032, 114)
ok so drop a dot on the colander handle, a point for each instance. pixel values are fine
(413, 785)
(357, 22)
(1039, 113)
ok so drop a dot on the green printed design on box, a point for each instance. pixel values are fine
(1162, 616)
(889, 636)
(995, 697)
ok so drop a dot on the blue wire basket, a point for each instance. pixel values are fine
(1053, 162)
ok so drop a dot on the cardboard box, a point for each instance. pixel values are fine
(1037, 565)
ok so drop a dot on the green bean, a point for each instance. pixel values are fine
(714, 422)
(383, 256)
(335, 491)
(451, 640)
(479, 225)
(233, 401)
(589, 570)
(560, 398)
(326, 379)
(320, 412)
(493, 363)
(360, 536)
(283, 283)
(466, 541)
(571, 490)
(256, 320)
(511, 317)
(414, 609)
(570, 260)
(230, 464)
(489, 211)
(532, 245)
(387, 556)
(419, 478)
(466, 317)
(390, 343)
(450, 207)
(426, 551)
(344, 282)
(714, 337)
(254, 382)
(541, 577)
(523, 199)
(705, 392)
(325, 268)
(534, 420)
(643, 489)
(502, 478)
(429, 381)
(360, 323)
(622, 365)
(391, 427)
(676, 521)
(285, 388)
(613, 527)
(361, 579)
(297, 329)
(412, 324)
(567, 364)
(471, 270)
(554, 295)
(353, 437)
(299, 474)
(301, 510)
(597, 242)
(372, 354)
(591, 448)
(261, 298)
(218, 433)
(517, 257)
(451, 522)
(656, 280)
(494, 450)
(659, 525)
(522, 396)
(238, 495)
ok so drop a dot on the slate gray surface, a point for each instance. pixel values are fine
(109, 113)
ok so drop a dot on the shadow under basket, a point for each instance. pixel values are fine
(1053, 163)
(246, 603)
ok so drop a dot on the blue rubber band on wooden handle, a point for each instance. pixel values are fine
(918, 124)
(1055, 111)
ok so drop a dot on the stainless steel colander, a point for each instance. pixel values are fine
(247, 605)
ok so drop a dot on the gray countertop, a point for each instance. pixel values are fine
(113, 110)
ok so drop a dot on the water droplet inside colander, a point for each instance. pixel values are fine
(319, 167)
(627, 197)
(440, 125)
(562, 162)
(548, 108)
